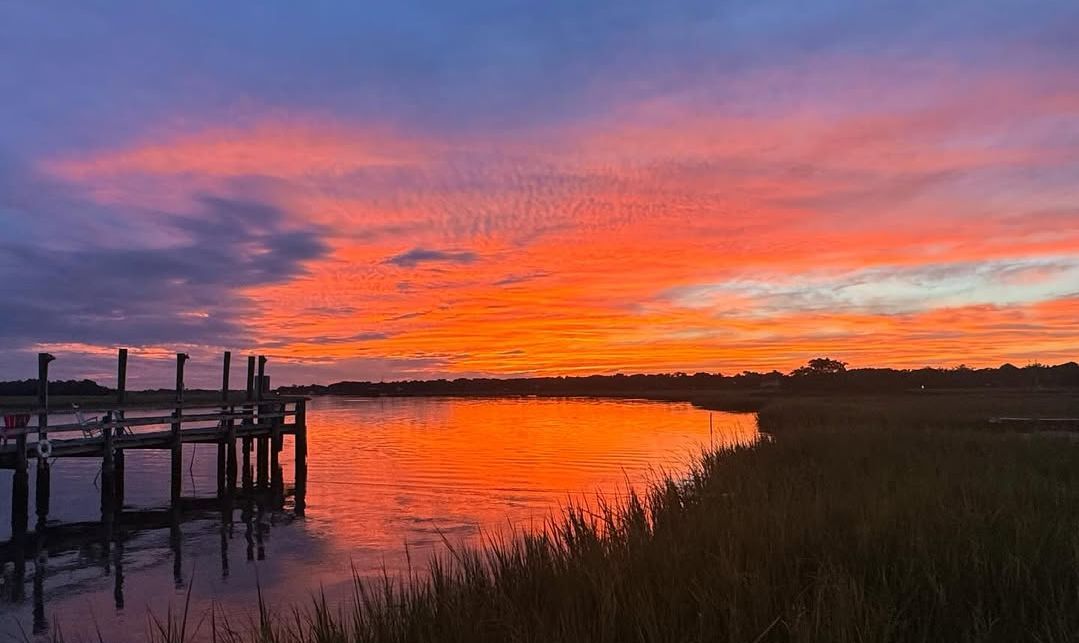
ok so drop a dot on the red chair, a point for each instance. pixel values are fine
(14, 421)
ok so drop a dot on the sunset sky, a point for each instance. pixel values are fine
(403, 190)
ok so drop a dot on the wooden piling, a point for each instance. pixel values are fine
(260, 390)
(18, 576)
(20, 483)
(119, 488)
(250, 379)
(300, 438)
(246, 477)
(230, 450)
(249, 411)
(262, 452)
(222, 445)
(108, 492)
(121, 377)
(262, 461)
(230, 424)
(221, 479)
(108, 472)
(176, 471)
(118, 416)
(177, 444)
(20, 488)
(43, 360)
(277, 481)
(42, 491)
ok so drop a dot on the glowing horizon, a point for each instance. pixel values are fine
(681, 192)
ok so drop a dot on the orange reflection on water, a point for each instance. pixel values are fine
(394, 471)
(383, 474)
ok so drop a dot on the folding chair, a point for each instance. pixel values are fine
(91, 427)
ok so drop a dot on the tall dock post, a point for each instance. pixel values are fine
(121, 399)
(222, 443)
(119, 479)
(20, 489)
(261, 443)
(277, 481)
(121, 376)
(301, 457)
(18, 542)
(41, 495)
(177, 444)
(230, 425)
(43, 360)
(248, 420)
(108, 472)
(277, 438)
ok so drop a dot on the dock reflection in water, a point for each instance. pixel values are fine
(382, 473)
(68, 554)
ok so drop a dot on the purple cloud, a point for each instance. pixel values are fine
(417, 256)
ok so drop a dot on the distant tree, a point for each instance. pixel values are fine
(820, 366)
(56, 387)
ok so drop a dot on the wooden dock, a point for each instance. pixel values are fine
(257, 423)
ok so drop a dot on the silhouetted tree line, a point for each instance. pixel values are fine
(822, 374)
(64, 387)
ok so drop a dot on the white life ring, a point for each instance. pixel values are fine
(44, 448)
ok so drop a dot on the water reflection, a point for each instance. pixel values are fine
(382, 474)
(118, 575)
(82, 546)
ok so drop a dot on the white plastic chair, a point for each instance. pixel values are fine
(90, 426)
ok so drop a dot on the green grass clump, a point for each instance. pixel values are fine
(820, 535)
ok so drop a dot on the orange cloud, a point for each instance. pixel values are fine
(575, 239)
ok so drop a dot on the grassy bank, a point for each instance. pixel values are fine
(916, 410)
(821, 535)
(731, 401)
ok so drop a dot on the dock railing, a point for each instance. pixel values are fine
(257, 420)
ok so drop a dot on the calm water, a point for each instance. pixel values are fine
(383, 474)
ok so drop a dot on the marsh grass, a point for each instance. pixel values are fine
(822, 535)
(948, 410)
